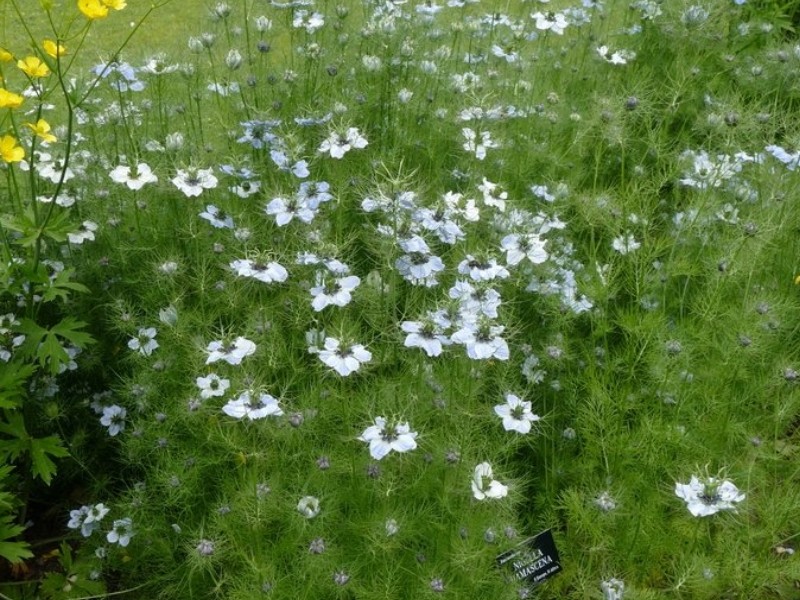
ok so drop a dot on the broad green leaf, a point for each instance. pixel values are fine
(12, 383)
(51, 354)
(68, 328)
(41, 450)
(60, 286)
(14, 551)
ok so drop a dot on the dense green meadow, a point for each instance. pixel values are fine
(345, 300)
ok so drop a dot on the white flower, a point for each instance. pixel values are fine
(472, 300)
(479, 148)
(314, 193)
(217, 218)
(336, 294)
(244, 189)
(482, 270)
(113, 418)
(555, 22)
(483, 486)
(620, 57)
(529, 246)
(516, 414)
(245, 407)
(613, 589)
(308, 506)
(605, 502)
(704, 498)
(482, 341)
(493, 195)
(145, 342)
(426, 335)
(266, 272)
(135, 177)
(309, 22)
(382, 439)
(232, 353)
(87, 518)
(418, 266)
(84, 233)
(338, 144)
(121, 533)
(343, 361)
(212, 386)
(625, 244)
(286, 209)
(193, 181)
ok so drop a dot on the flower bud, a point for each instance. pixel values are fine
(263, 24)
(233, 59)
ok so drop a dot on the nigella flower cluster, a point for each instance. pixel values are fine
(303, 205)
(87, 518)
(245, 184)
(707, 172)
(9, 339)
(478, 143)
(282, 158)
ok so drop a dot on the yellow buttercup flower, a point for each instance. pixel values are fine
(54, 49)
(93, 9)
(5, 55)
(10, 151)
(33, 67)
(115, 4)
(10, 99)
(42, 129)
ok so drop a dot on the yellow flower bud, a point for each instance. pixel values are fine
(5, 55)
(54, 49)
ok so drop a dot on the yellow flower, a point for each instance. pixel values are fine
(115, 4)
(10, 99)
(93, 9)
(42, 129)
(54, 49)
(5, 55)
(9, 150)
(33, 67)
